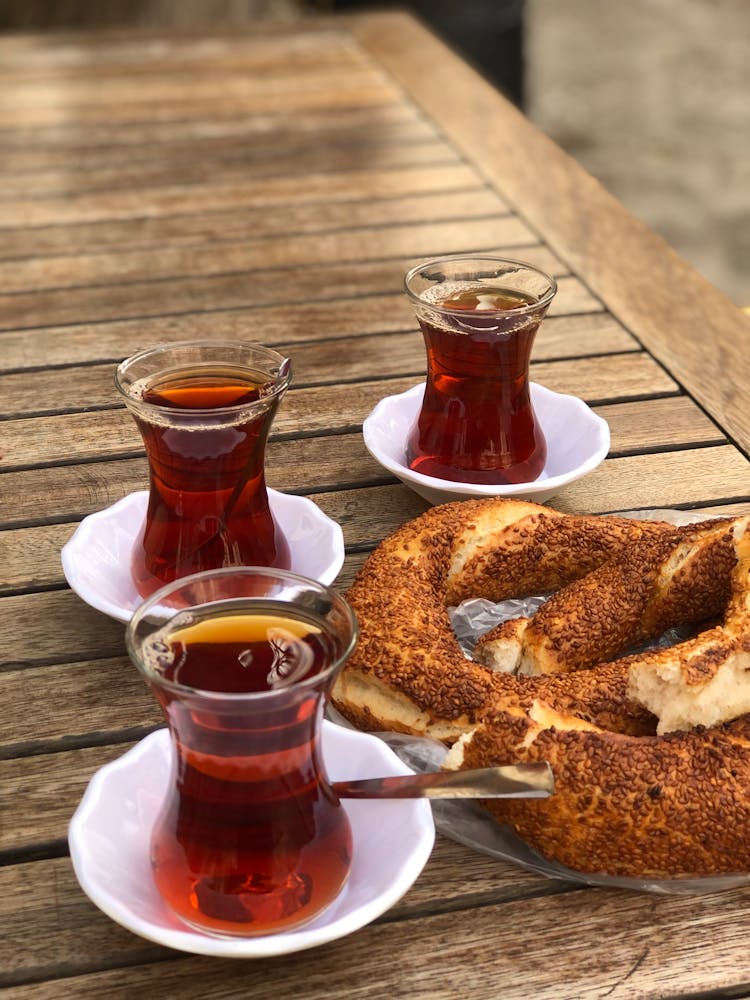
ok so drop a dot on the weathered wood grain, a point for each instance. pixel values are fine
(659, 424)
(237, 225)
(243, 162)
(54, 627)
(40, 793)
(75, 703)
(275, 186)
(683, 479)
(89, 167)
(75, 937)
(320, 89)
(80, 434)
(295, 328)
(614, 944)
(199, 293)
(113, 80)
(321, 378)
(149, 203)
(376, 242)
(125, 50)
(30, 555)
(44, 147)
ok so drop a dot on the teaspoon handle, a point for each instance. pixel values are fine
(512, 781)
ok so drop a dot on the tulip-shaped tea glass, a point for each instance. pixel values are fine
(479, 316)
(204, 411)
(251, 838)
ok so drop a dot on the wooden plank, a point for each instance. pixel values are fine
(283, 190)
(71, 706)
(30, 555)
(76, 932)
(228, 142)
(198, 293)
(162, 62)
(46, 146)
(39, 794)
(650, 953)
(78, 489)
(363, 89)
(288, 327)
(33, 557)
(81, 434)
(30, 100)
(277, 324)
(238, 225)
(83, 489)
(68, 629)
(672, 310)
(612, 377)
(683, 479)
(239, 161)
(242, 163)
(68, 492)
(73, 936)
(415, 239)
(319, 363)
(659, 424)
(57, 627)
(581, 334)
(93, 53)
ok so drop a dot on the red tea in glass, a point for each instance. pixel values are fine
(479, 317)
(204, 412)
(251, 839)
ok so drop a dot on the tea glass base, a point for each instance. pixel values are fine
(110, 833)
(577, 442)
(96, 560)
(248, 932)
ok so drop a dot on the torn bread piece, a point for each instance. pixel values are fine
(706, 680)
(660, 584)
(500, 649)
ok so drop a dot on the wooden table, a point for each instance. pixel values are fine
(275, 187)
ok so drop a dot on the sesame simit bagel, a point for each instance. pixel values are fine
(596, 722)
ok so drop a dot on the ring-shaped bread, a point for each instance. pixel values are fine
(627, 801)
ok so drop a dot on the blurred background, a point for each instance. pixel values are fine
(651, 96)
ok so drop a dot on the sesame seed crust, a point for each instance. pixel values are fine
(649, 807)
(627, 801)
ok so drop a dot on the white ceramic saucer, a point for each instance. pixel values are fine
(109, 846)
(577, 441)
(96, 560)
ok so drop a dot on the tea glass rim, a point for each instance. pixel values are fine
(236, 697)
(509, 263)
(281, 379)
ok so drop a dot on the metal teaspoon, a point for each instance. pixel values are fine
(512, 781)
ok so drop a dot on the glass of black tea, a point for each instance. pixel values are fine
(251, 838)
(479, 316)
(204, 411)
